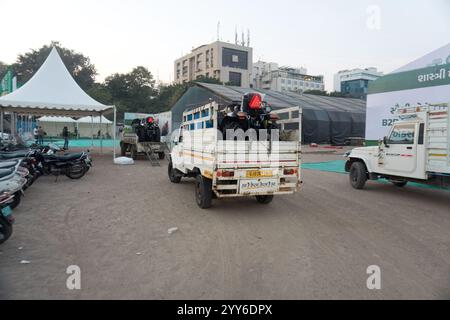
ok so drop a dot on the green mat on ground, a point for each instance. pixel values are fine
(338, 166)
(84, 143)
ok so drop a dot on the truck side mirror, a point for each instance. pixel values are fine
(385, 142)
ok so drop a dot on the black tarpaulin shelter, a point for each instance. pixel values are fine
(325, 119)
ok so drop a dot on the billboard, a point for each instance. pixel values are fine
(426, 80)
(164, 121)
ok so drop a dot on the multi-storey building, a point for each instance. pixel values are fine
(354, 83)
(229, 63)
(269, 76)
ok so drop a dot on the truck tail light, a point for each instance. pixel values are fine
(255, 102)
(290, 172)
(225, 174)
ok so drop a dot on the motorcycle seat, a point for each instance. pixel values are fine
(13, 155)
(8, 164)
(66, 157)
(6, 172)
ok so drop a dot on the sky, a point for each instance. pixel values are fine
(322, 35)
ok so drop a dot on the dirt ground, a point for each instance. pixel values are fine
(316, 244)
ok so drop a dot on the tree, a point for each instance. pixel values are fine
(134, 91)
(338, 94)
(100, 92)
(3, 69)
(168, 95)
(79, 66)
(206, 79)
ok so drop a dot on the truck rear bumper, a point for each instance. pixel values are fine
(241, 185)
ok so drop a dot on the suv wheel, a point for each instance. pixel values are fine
(358, 175)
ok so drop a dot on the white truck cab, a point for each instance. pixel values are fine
(416, 149)
(235, 168)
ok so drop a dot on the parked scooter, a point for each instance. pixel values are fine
(27, 160)
(13, 181)
(6, 217)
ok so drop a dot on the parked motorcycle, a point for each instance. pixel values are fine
(74, 165)
(251, 113)
(6, 217)
(147, 130)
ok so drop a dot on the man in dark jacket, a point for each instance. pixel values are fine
(65, 135)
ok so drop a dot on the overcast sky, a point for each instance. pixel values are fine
(323, 36)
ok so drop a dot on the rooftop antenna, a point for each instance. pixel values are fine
(243, 39)
(248, 37)
(218, 30)
(235, 35)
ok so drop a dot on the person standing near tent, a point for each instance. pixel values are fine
(40, 133)
(65, 135)
(35, 133)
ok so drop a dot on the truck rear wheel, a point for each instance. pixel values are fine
(358, 175)
(173, 176)
(264, 199)
(133, 152)
(203, 191)
(123, 149)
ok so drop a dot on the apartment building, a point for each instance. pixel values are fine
(270, 76)
(355, 82)
(229, 63)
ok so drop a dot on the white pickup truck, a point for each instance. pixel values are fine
(417, 149)
(230, 168)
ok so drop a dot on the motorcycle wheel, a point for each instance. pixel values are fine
(16, 201)
(5, 230)
(77, 174)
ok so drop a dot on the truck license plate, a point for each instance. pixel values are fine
(259, 173)
(258, 186)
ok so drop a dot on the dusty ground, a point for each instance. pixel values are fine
(316, 244)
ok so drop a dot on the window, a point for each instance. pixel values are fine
(283, 81)
(235, 79)
(235, 58)
(212, 57)
(402, 134)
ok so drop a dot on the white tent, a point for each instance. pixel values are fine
(86, 126)
(95, 120)
(56, 119)
(53, 125)
(52, 91)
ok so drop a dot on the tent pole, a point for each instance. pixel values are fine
(114, 134)
(92, 131)
(101, 134)
(2, 116)
(13, 123)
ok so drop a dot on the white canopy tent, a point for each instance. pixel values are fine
(86, 125)
(53, 125)
(53, 92)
